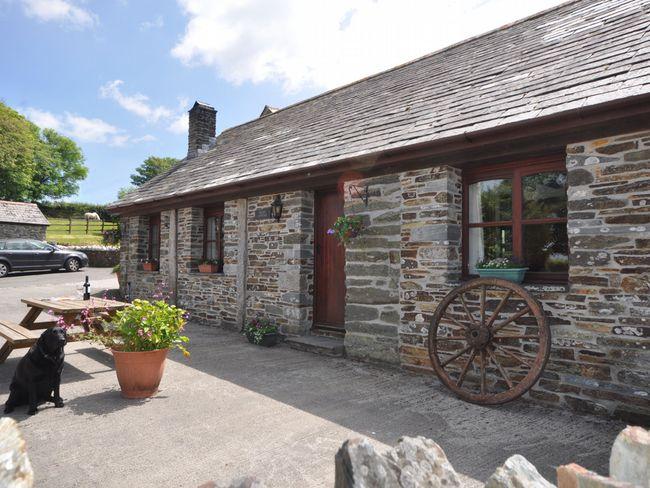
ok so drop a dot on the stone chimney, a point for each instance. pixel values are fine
(201, 134)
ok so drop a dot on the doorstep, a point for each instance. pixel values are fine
(327, 346)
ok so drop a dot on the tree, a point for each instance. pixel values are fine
(36, 165)
(150, 167)
(124, 191)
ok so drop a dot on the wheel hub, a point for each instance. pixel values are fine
(478, 337)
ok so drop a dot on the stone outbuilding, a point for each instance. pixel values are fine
(18, 219)
(530, 141)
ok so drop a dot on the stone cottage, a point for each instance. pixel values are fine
(24, 220)
(530, 141)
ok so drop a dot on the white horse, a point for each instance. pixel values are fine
(92, 216)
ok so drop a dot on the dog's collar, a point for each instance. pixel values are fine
(47, 356)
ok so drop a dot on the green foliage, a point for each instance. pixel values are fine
(500, 263)
(145, 326)
(151, 167)
(122, 192)
(60, 210)
(346, 228)
(36, 165)
(257, 328)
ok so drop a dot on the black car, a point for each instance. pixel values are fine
(28, 254)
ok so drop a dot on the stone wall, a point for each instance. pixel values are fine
(280, 267)
(372, 270)
(24, 231)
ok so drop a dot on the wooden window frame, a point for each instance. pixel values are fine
(515, 170)
(153, 219)
(209, 212)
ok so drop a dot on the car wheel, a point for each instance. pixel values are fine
(4, 269)
(73, 264)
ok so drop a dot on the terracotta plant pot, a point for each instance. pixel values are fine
(139, 373)
(208, 268)
(150, 266)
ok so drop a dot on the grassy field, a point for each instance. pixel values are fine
(59, 231)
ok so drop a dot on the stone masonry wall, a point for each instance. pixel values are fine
(23, 231)
(372, 272)
(281, 261)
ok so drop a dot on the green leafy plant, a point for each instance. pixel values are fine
(145, 326)
(257, 328)
(216, 262)
(500, 263)
(346, 227)
(116, 269)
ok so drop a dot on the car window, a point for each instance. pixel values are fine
(2, 245)
(15, 246)
(37, 245)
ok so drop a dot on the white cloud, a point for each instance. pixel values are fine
(137, 103)
(156, 23)
(325, 44)
(82, 129)
(179, 125)
(63, 11)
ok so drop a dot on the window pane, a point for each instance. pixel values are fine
(488, 243)
(544, 195)
(211, 231)
(546, 247)
(211, 250)
(490, 201)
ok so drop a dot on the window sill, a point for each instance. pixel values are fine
(218, 273)
(549, 287)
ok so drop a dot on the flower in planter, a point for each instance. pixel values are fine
(500, 263)
(346, 227)
(257, 328)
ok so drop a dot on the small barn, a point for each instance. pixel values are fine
(18, 219)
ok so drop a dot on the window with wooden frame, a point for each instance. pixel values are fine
(517, 210)
(153, 251)
(213, 236)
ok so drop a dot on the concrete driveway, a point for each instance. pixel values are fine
(234, 409)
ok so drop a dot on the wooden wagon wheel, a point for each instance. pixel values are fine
(489, 341)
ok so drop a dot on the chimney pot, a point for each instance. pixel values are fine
(202, 127)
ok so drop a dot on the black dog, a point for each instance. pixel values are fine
(38, 376)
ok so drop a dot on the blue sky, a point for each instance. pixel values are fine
(118, 76)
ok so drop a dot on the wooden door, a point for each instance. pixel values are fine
(329, 262)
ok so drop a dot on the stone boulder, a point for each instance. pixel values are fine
(517, 472)
(575, 476)
(630, 457)
(414, 462)
(15, 468)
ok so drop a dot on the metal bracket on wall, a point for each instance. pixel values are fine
(363, 194)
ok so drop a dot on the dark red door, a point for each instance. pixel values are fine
(329, 272)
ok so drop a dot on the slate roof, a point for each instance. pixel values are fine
(579, 54)
(21, 213)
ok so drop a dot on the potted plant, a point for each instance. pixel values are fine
(346, 227)
(505, 268)
(150, 265)
(140, 336)
(260, 331)
(209, 266)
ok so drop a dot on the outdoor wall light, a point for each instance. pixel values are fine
(358, 192)
(276, 208)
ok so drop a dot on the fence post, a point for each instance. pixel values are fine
(69, 225)
(87, 222)
(102, 227)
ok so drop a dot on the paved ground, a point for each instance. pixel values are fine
(234, 409)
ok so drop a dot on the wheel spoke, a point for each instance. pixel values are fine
(534, 336)
(499, 367)
(455, 356)
(450, 338)
(513, 355)
(461, 378)
(483, 291)
(454, 321)
(469, 315)
(482, 372)
(511, 319)
(497, 310)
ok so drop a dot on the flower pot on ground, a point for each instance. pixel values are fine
(150, 266)
(140, 337)
(209, 266)
(260, 331)
(503, 268)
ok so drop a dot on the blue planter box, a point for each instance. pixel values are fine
(515, 275)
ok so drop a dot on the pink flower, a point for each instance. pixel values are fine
(330, 231)
(140, 332)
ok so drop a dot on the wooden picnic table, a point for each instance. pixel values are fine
(68, 308)
(23, 335)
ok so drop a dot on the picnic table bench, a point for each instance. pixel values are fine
(24, 335)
